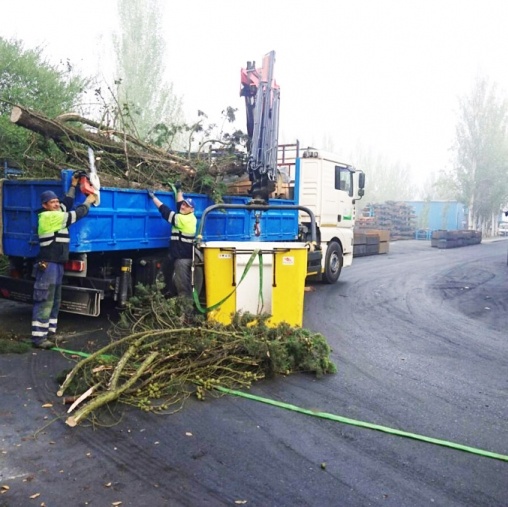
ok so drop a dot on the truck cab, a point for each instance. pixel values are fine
(330, 188)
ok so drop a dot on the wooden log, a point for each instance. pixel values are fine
(57, 131)
(68, 138)
(121, 154)
(109, 396)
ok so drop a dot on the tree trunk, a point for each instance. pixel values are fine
(59, 132)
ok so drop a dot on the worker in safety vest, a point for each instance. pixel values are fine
(183, 231)
(53, 221)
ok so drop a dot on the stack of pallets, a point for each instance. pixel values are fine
(371, 242)
(398, 218)
(454, 239)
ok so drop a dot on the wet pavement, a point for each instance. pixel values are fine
(419, 339)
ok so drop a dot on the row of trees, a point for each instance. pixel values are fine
(479, 178)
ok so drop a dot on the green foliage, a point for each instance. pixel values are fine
(4, 264)
(190, 355)
(145, 99)
(206, 183)
(280, 349)
(164, 135)
(145, 106)
(142, 105)
(148, 303)
(283, 349)
(13, 346)
(27, 79)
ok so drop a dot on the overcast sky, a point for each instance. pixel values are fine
(383, 74)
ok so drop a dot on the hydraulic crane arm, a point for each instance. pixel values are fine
(262, 96)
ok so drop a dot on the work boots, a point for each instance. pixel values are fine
(44, 344)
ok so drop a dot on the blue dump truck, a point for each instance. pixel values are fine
(294, 220)
(124, 241)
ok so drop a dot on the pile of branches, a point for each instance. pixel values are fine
(161, 353)
(124, 160)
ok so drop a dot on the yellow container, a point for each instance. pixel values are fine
(260, 277)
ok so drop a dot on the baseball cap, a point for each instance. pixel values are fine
(189, 202)
(48, 195)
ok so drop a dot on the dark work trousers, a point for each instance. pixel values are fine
(47, 298)
(183, 277)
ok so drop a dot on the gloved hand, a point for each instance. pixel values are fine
(178, 185)
(151, 194)
(75, 178)
(91, 198)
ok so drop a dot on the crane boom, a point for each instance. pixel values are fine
(262, 100)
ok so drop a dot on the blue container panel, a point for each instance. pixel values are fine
(21, 200)
(231, 226)
(115, 231)
(439, 215)
(126, 219)
(239, 224)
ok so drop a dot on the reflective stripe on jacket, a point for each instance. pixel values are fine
(53, 230)
(183, 232)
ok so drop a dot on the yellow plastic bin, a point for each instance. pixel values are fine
(274, 284)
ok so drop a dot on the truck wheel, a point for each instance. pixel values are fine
(333, 263)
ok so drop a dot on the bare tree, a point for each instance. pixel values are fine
(386, 180)
(432, 190)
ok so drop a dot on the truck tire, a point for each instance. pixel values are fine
(333, 263)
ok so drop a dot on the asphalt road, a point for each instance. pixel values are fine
(419, 339)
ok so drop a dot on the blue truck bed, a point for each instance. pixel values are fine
(127, 219)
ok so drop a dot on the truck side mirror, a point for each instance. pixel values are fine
(361, 183)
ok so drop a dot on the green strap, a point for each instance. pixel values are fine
(173, 188)
(362, 424)
(195, 294)
(106, 357)
(338, 418)
(260, 295)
